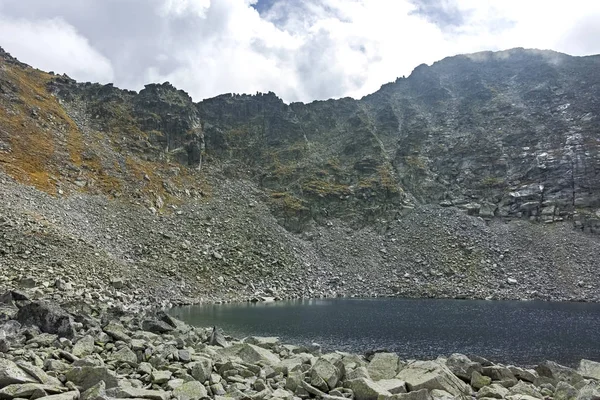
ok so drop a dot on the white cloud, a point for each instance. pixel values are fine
(300, 49)
(54, 45)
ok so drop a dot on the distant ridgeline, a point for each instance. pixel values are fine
(512, 134)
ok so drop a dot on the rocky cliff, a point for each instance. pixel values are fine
(477, 176)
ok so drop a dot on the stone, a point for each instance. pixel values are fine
(190, 391)
(50, 318)
(201, 369)
(360, 372)
(365, 389)
(383, 366)
(462, 366)
(160, 377)
(86, 377)
(394, 386)
(438, 394)
(564, 391)
(432, 375)
(523, 388)
(493, 391)
(557, 372)
(264, 342)
(73, 395)
(326, 371)
(156, 326)
(590, 391)
(251, 354)
(117, 331)
(10, 373)
(217, 338)
(27, 389)
(589, 369)
(124, 392)
(478, 381)
(125, 355)
(422, 394)
(84, 346)
(96, 392)
(528, 375)
(498, 373)
(39, 374)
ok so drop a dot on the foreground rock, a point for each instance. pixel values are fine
(155, 357)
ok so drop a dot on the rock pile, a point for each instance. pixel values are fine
(114, 354)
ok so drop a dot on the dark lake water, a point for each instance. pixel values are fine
(523, 333)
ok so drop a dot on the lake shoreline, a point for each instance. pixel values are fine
(77, 352)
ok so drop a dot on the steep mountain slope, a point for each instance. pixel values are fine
(465, 179)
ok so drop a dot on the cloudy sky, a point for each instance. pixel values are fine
(301, 49)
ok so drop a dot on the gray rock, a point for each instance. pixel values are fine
(360, 372)
(50, 318)
(124, 392)
(590, 391)
(589, 369)
(365, 389)
(39, 374)
(73, 395)
(438, 394)
(462, 366)
(217, 338)
(96, 392)
(190, 391)
(478, 381)
(27, 389)
(125, 355)
(251, 354)
(160, 377)
(10, 373)
(498, 373)
(564, 391)
(156, 326)
(394, 386)
(557, 372)
(432, 375)
(525, 389)
(493, 391)
(264, 342)
(117, 331)
(201, 369)
(383, 366)
(528, 375)
(86, 377)
(422, 394)
(325, 370)
(84, 346)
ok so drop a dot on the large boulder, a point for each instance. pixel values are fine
(383, 366)
(25, 390)
(50, 318)
(365, 389)
(251, 354)
(84, 347)
(432, 375)
(557, 372)
(201, 369)
(564, 391)
(193, 390)
(86, 377)
(325, 372)
(589, 369)
(493, 391)
(462, 366)
(10, 373)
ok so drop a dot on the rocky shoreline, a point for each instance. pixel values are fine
(85, 351)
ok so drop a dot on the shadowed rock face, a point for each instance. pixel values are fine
(507, 134)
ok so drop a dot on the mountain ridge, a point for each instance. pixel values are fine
(243, 195)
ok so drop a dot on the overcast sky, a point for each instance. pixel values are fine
(301, 49)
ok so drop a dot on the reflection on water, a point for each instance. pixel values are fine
(504, 331)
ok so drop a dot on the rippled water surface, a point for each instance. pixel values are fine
(504, 331)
